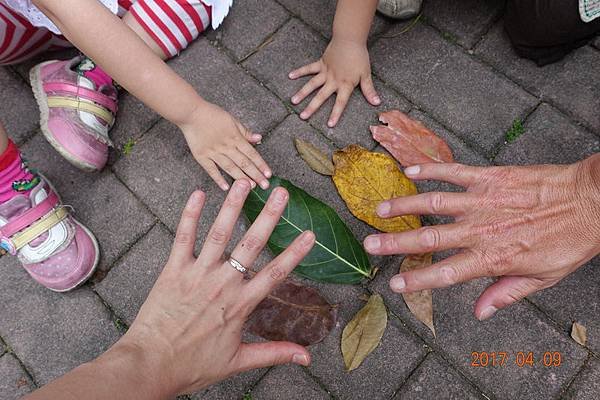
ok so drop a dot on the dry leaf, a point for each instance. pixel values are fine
(419, 303)
(295, 313)
(315, 158)
(409, 141)
(362, 335)
(579, 333)
(364, 179)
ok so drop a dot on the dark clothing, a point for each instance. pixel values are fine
(547, 30)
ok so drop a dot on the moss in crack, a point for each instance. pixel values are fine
(515, 131)
(128, 146)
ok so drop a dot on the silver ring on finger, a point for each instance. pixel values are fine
(237, 265)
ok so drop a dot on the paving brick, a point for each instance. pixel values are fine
(463, 21)
(319, 14)
(18, 111)
(50, 332)
(248, 24)
(100, 201)
(433, 378)
(232, 388)
(570, 84)
(288, 382)
(549, 137)
(293, 46)
(566, 303)
(517, 328)
(224, 83)
(127, 285)
(587, 384)
(597, 42)
(460, 92)
(14, 382)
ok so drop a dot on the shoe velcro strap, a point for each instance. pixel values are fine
(68, 102)
(43, 225)
(30, 216)
(85, 93)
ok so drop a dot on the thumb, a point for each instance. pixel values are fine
(368, 90)
(504, 292)
(260, 355)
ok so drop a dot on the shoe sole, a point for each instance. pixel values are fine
(42, 101)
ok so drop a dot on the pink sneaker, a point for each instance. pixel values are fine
(55, 249)
(75, 115)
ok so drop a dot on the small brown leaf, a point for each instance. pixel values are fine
(294, 313)
(362, 335)
(579, 333)
(364, 179)
(315, 158)
(409, 141)
(419, 303)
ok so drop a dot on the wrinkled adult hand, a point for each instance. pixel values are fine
(187, 334)
(528, 226)
(344, 65)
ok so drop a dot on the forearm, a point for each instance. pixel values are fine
(103, 37)
(353, 20)
(119, 373)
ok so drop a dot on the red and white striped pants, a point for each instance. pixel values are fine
(173, 24)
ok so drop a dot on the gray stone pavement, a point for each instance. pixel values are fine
(455, 71)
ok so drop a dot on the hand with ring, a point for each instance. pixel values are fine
(187, 334)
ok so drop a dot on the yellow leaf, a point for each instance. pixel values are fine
(579, 333)
(362, 335)
(364, 179)
(419, 303)
(316, 159)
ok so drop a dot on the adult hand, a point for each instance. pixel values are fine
(187, 334)
(218, 140)
(529, 226)
(344, 65)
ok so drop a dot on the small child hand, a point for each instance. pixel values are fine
(218, 140)
(344, 65)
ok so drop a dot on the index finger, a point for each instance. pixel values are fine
(458, 174)
(277, 270)
(185, 237)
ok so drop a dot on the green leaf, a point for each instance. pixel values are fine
(337, 257)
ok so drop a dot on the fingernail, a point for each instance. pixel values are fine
(197, 196)
(383, 209)
(268, 173)
(412, 170)
(308, 237)
(291, 75)
(252, 184)
(331, 123)
(487, 312)
(280, 195)
(264, 185)
(294, 99)
(377, 100)
(372, 243)
(225, 187)
(303, 115)
(397, 283)
(300, 359)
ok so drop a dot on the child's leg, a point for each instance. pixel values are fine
(167, 26)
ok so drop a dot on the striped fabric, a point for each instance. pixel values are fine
(173, 24)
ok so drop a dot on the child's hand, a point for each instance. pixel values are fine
(342, 67)
(216, 138)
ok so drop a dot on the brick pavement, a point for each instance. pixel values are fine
(454, 70)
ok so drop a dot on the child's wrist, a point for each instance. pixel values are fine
(198, 110)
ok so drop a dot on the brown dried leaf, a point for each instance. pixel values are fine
(362, 335)
(419, 303)
(409, 141)
(315, 158)
(294, 313)
(364, 179)
(579, 333)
